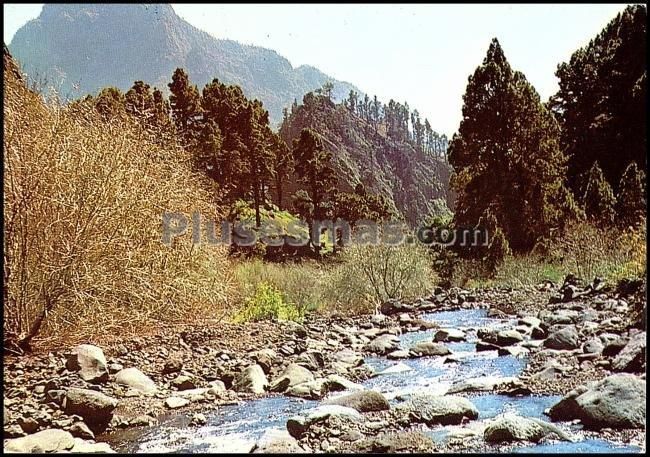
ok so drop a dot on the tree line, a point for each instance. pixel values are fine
(231, 142)
(398, 122)
(524, 168)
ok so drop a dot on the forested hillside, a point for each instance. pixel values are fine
(389, 149)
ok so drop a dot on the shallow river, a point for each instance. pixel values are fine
(237, 427)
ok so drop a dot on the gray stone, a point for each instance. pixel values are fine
(399, 354)
(95, 408)
(565, 338)
(298, 425)
(84, 447)
(136, 379)
(89, 361)
(511, 427)
(265, 358)
(363, 401)
(508, 337)
(184, 382)
(617, 401)
(593, 346)
(275, 441)
(81, 430)
(530, 321)
(431, 410)
(198, 419)
(632, 356)
(429, 349)
(383, 344)
(45, 441)
(252, 379)
(485, 384)
(401, 442)
(485, 346)
(449, 335)
(176, 402)
(292, 375)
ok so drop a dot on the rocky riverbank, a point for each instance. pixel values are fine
(577, 340)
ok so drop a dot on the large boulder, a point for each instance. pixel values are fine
(136, 379)
(363, 401)
(449, 335)
(431, 409)
(429, 349)
(485, 384)
(292, 375)
(632, 356)
(95, 408)
(45, 441)
(488, 335)
(401, 442)
(617, 401)
(276, 441)
(265, 358)
(89, 361)
(394, 306)
(593, 346)
(88, 447)
(252, 379)
(511, 427)
(298, 425)
(566, 338)
(508, 337)
(383, 344)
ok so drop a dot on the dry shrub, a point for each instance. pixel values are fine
(83, 206)
(371, 274)
(589, 251)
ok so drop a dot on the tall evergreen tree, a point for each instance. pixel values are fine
(631, 202)
(282, 166)
(185, 103)
(598, 198)
(601, 103)
(314, 171)
(506, 156)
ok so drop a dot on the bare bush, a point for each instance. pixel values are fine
(83, 204)
(371, 274)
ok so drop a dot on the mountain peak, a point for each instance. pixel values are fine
(82, 48)
(76, 10)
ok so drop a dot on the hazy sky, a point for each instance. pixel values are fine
(421, 54)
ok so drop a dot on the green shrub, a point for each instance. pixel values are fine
(268, 303)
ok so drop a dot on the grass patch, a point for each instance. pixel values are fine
(584, 250)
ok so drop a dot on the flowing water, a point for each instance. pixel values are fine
(237, 427)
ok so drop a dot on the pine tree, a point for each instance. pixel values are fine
(506, 156)
(109, 102)
(207, 149)
(314, 171)
(601, 104)
(139, 101)
(631, 203)
(598, 198)
(185, 103)
(282, 166)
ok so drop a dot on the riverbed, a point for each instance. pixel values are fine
(236, 428)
